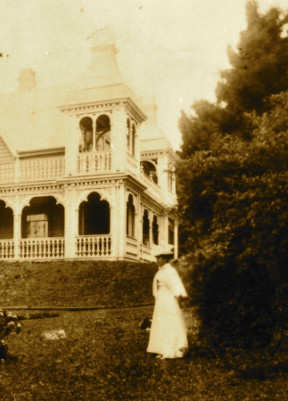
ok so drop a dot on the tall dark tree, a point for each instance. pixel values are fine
(259, 68)
(233, 201)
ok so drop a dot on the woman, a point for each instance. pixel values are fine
(168, 334)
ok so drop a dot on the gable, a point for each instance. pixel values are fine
(5, 154)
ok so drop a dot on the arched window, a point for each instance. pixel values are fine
(103, 129)
(145, 227)
(86, 127)
(6, 221)
(149, 169)
(94, 216)
(171, 177)
(155, 229)
(130, 217)
(171, 229)
(133, 140)
(128, 134)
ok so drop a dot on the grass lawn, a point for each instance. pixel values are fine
(103, 356)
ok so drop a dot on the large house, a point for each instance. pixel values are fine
(84, 171)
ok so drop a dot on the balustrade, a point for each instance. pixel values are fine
(6, 249)
(7, 172)
(42, 248)
(91, 246)
(42, 169)
(94, 162)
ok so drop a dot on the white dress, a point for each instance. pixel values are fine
(168, 335)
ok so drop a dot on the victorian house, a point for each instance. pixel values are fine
(84, 171)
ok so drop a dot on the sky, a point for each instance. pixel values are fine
(171, 50)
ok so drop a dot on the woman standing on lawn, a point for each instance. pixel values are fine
(168, 334)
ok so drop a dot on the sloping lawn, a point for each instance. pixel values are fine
(75, 284)
(103, 356)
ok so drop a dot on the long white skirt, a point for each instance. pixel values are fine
(168, 335)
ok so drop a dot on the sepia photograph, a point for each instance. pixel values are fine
(143, 200)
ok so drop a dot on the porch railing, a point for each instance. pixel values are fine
(6, 249)
(92, 162)
(42, 248)
(42, 169)
(91, 246)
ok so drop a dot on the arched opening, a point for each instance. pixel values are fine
(171, 230)
(86, 127)
(133, 140)
(149, 169)
(94, 216)
(145, 228)
(43, 218)
(171, 177)
(130, 217)
(128, 134)
(103, 136)
(155, 230)
(6, 221)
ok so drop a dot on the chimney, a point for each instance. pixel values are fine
(27, 79)
(103, 53)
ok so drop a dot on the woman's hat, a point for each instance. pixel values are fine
(163, 250)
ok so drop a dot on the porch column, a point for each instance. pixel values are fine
(118, 227)
(17, 234)
(176, 239)
(163, 229)
(70, 224)
(72, 145)
(119, 140)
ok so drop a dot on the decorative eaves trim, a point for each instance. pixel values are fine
(81, 108)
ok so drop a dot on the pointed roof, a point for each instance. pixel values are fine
(103, 79)
(33, 118)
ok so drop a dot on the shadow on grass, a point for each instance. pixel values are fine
(263, 372)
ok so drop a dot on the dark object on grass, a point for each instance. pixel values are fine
(145, 324)
(3, 351)
(9, 323)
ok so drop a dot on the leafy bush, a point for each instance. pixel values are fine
(233, 201)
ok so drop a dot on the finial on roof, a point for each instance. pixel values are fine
(27, 79)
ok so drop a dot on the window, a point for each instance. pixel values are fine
(103, 133)
(171, 177)
(145, 227)
(149, 169)
(128, 134)
(86, 127)
(133, 141)
(155, 229)
(131, 137)
(130, 217)
(171, 228)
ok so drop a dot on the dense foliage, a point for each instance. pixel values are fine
(259, 69)
(233, 201)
